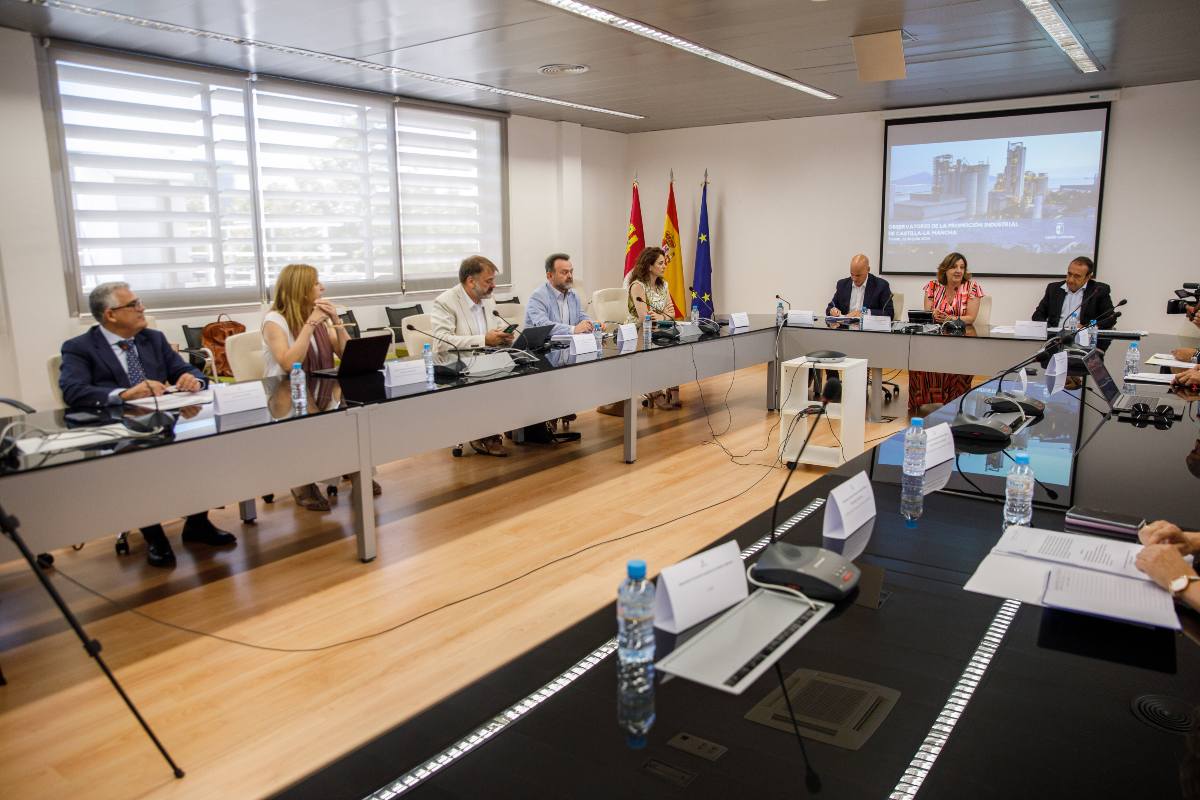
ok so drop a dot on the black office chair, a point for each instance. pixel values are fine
(396, 316)
(198, 355)
(347, 318)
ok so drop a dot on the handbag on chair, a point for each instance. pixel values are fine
(214, 336)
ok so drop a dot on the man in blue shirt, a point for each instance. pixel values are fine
(555, 302)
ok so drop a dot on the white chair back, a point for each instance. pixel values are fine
(414, 341)
(898, 308)
(53, 367)
(609, 305)
(513, 312)
(245, 353)
(984, 316)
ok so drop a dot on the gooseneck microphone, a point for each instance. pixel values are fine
(784, 299)
(445, 370)
(497, 314)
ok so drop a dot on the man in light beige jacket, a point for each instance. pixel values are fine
(462, 317)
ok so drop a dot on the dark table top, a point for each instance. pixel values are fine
(1051, 716)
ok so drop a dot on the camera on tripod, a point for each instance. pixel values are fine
(1189, 295)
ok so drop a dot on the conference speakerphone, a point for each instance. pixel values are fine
(744, 642)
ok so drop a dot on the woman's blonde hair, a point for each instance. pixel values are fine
(292, 290)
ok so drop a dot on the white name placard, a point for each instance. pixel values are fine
(696, 588)
(627, 333)
(627, 345)
(1027, 329)
(1057, 365)
(583, 343)
(229, 398)
(401, 373)
(939, 445)
(877, 323)
(739, 319)
(801, 318)
(849, 507)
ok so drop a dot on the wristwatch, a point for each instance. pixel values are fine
(1178, 585)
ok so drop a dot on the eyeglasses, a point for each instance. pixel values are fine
(136, 303)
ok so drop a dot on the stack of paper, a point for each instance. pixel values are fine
(1075, 572)
(1150, 377)
(1168, 360)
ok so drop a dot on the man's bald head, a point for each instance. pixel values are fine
(860, 267)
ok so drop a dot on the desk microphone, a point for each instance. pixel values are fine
(455, 370)
(496, 314)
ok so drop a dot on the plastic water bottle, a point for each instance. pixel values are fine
(635, 654)
(299, 386)
(598, 329)
(647, 330)
(912, 498)
(866, 312)
(780, 317)
(695, 312)
(1018, 492)
(427, 354)
(914, 447)
(1133, 359)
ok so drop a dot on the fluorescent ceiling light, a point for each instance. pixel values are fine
(662, 37)
(372, 66)
(1055, 24)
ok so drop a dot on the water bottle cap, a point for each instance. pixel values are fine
(918, 422)
(1022, 458)
(636, 569)
(296, 365)
(910, 523)
(1133, 345)
(635, 741)
(427, 346)
(1093, 322)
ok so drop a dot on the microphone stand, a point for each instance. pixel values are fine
(8, 525)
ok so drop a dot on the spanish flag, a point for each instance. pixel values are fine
(635, 239)
(674, 274)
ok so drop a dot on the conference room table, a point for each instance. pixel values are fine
(997, 698)
(348, 427)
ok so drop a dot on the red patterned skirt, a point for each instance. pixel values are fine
(935, 387)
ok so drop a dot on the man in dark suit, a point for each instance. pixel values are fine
(1078, 299)
(121, 359)
(861, 289)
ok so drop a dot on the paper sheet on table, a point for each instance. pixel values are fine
(1168, 360)
(1015, 577)
(174, 400)
(1110, 596)
(1074, 549)
(69, 439)
(1004, 329)
(1150, 377)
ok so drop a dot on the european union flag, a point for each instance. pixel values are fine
(702, 275)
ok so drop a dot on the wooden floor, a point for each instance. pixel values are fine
(245, 721)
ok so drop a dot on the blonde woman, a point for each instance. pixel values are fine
(301, 327)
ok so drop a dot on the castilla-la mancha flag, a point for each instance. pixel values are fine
(674, 273)
(635, 239)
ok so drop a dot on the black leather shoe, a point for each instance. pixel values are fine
(207, 533)
(158, 549)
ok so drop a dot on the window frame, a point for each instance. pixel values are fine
(249, 84)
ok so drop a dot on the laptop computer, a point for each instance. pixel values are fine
(533, 338)
(359, 357)
(1094, 361)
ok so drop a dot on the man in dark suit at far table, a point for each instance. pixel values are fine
(861, 290)
(121, 359)
(1078, 299)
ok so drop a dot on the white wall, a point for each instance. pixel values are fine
(791, 201)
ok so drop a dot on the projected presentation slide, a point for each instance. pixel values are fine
(1017, 194)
